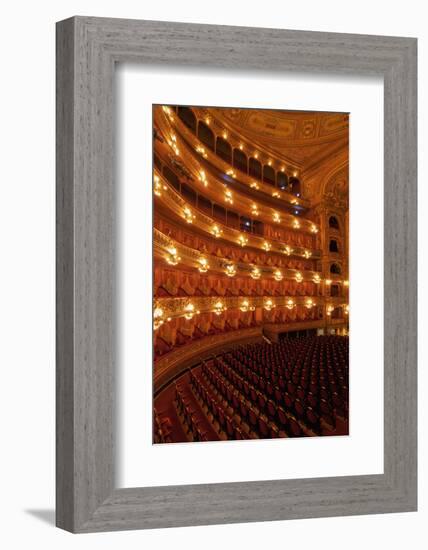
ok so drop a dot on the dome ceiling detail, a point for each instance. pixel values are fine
(302, 137)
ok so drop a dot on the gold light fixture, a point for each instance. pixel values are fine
(317, 278)
(242, 240)
(203, 178)
(276, 195)
(158, 187)
(166, 109)
(219, 308)
(276, 217)
(201, 150)
(216, 231)
(188, 215)
(296, 223)
(173, 144)
(278, 276)
(231, 173)
(228, 196)
(289, 304)
(190, 311)
(241, 146)
(346, 283)
(282, 168)
(204, 266)
(299, 277)
(254, 210)
(207, 121)
(309, 303)
(295, 202)
(330, 310)
(173, 258)
(254, 185)
(287, 250)
(224, 134)
(245, 306)
(255, 273)
(266, 246)
(346, 309)
(269, 163)
(314, 228)
(307, 254)
(328, 282)
(256, 155)
(230, 270)
(158, 319)
(268, 305)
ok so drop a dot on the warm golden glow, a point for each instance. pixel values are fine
(173, 144)
(266, 246)
(219, 308)
(289, 304)
(268, 305)
(314, 228)
(230, 270)
(254, 210)
(242, 240)
(256, 155)
(309, 303)
(203, 268)
(188, 214)
(345, 283)
(157, 317)
(245, 306)
(287, 250)
(228, 196)
(158, 187)
(346, 310)
(241, 146)
(216, 231)
(231, 173)
(203, 178)
(317, 278)
(270, 163)
(278, 276)
(189, 311)
(254, 185)
(276, 195)
(207, 121)
(173, 258)
(255, 273)
(201, 151)
(307, 254)
(282, 168)
(299, 277)
(296, 223)
(225, 135)
(328, 281)
(330, 310)
(276, 217)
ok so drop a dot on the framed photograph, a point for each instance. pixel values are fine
(236, 274)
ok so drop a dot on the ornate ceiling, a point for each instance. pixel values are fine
(304, 138)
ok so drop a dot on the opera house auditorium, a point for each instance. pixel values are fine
(250, 282)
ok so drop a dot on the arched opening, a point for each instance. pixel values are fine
(282, 180)
(269, 174)
(334, 290)
(224, 150)
(335, 269)
(333, 246)
(255, 168)
(295, 186)
(205, 135)
(332, 222)
(240, 160)
(187, 117)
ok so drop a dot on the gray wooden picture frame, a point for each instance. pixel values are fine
(87, 51)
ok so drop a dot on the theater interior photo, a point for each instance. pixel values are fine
(250, 274)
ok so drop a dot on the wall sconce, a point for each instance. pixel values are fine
(254, 185)
(201, 151)
(276, 217)
(228, 196)
(245, 306)
(255, 273)
(328, 282)
(173, 258)
(276, 194)
(242, 240)
(289, 304)
(309, 303)
(188, 215)
(345, 283)
(158, 187)
(203, 178)
(317, 278)
(203, 268)
(299, 277)
(231, 173)
(266, 246)
(287, 250)
(254, 210)
(158, 319)
(230, 270)
(219, 308)
(278, 276)
(330, 310)
(268, 305)
(224, 134)
(173, 144)
(346, 309)
(307, 254)
(296, 224)
(216, 231)
(314, 228)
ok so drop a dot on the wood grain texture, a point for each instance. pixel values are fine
(87, 49)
